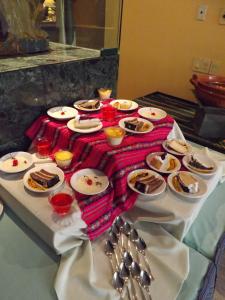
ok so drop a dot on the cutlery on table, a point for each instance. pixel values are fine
(115, 241)
(109, 251)
(135, 271)
(145, 282)
(125, 274)
(118, 283)
(141, 247)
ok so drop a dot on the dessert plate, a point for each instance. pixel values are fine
(122, 103)
(122, 125)
(201, 158)
(202, 186)
(1, 207)
(62, 112)
(77, 106)
(168, 149)
(8, 162)
(172, 164)
(154, 193)
(152, 113)
(49, 168)
(89, 181)
(71, 126)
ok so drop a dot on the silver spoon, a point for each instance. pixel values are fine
(124, 274)
(114, 240)
(119, 223)
(118, 283)
(115, 230)
(145, 281)
(127, 258)
(141, 247)
(135, 271)
(133, 235)
(126, 230)
(109, 251)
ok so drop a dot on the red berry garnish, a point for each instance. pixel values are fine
(25, 162)
(15, 162)
(62, 113)
(153, 114)
(89, 182)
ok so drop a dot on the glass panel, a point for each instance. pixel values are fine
(92, 24)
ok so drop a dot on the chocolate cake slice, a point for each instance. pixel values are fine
(133, 124)
(90, 104)
(44, 178)
(148, 185)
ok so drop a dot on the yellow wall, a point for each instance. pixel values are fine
(159, 40)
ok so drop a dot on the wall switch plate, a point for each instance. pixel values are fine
(214, 67)
(222, 17)
(201, 65)
(202, 10)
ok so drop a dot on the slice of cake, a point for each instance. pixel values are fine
(148, 185)
(178, 146)
(44, 178)
(198, 165)
(90, 104)
(188, 183)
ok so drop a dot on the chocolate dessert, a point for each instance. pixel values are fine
(148, 184)
(90, 104)
(44, 178)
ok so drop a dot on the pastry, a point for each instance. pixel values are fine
(163, 162)
(44, 178)
(148, 185)
(89, 104)
(87, 124)
(122, 105)
(187, 183)
(136, 125)
(196, 164)
(178, 146)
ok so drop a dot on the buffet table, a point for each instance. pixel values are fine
(162, 222)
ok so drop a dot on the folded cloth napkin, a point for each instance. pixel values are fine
(219, 158)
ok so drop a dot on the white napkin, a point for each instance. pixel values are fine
(219, 158)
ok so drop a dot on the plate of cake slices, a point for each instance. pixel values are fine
(146, 182)
(89, 181)
(136, 125)
(163, 162)
(16, 162)
(88, 105)
(85, 126)
(62, 112)
(200, 164)
(187, 184)
(124, 105)
(177, 147)
(152, 113)
(43, 178)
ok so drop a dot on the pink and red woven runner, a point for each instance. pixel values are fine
(93, 151)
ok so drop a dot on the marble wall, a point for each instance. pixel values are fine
(26, 93)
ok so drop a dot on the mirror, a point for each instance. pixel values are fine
(83, 23)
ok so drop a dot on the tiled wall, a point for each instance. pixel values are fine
(27, 93)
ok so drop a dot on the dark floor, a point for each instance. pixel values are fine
(184, 113)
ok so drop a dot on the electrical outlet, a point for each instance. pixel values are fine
(201, 65)
(214, 67)
(202, 10)
(222, 17)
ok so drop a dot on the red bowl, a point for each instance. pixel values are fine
(212, 83)
(210, 98)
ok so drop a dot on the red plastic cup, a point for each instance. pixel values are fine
(61, 201)
(43, 147)
(108, 112)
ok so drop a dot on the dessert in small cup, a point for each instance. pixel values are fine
(104, 93)
(114, 135)
(61, 200)
(63, 158)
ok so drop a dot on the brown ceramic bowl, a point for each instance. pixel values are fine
(212, 83)
(209, 98)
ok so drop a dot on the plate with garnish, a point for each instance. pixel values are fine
(85, 126)
(146, 182)
(200, 164)
(88, 105)
(62, 112)
(136, 125)
(177, 147)
(43, 178)
(163, 162)
(152, 113)
(16, 162)
(124, 105)
(89, 181)
(187, 184)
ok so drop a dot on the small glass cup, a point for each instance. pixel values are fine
(114, 135)
(61, 200)
(43, 147)
(104, 93)
(63, 158)
(108, 112)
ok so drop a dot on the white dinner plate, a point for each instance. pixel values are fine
(175, 169)
(134, 104)
(76, 105)
(152, 113)
(204, 159)
(164, 144)
(156, 192)
(202, 186)
(99, 181)
(71, 126)
(1, 207)
(122, 125)
(25, 161)
(49, 168)
(62, 112)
